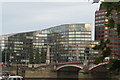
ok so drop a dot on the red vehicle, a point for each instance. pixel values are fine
(1, 63)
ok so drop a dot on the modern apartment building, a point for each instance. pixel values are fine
(3, 47)
(104, 32)
(64, 43)
(70, 42)
(20, 46)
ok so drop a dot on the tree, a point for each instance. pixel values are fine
(5, 56)
(114, 64)
(103, 50)
(43, 55)
(109, 7)
(37, 56)
(31, 57)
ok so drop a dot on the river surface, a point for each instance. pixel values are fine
(66, 75)
(78, 76)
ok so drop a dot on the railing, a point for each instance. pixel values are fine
(106, 60)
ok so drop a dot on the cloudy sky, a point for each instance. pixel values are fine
(29, 16)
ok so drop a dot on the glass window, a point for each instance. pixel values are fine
(106, 35)
(78, 35)
(106, 20)
(78, 32)
(106, 27)
(81, 35)
(78, 39)
(106, 31)
(70, 38)
(71, 32)
(71, 35)
(82, 32)
(87, 35)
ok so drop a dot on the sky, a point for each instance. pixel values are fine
(30, 16)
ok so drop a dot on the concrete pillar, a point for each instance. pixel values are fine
(77, 55)
(55, 67)
(48, 55)
(85, 66)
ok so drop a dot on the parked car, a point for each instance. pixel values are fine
(9, 76)
(15, 78)
(6, 75)
(3, 78)
(1, 64)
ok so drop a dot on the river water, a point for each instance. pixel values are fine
(78, 76)
(67, 75)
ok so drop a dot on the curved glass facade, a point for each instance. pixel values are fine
(62, 43)
(67, 42)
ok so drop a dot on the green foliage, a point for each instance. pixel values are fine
(110, 63)
(31, 58)
(99, 60)
(37, 57)
(118, 29)
(118, 8)
(107, 41)
(101, 45)
(111, 23)
(106, 51)
(6, 55)
(3, 56)
(115, 65)
(108, 13)
(109, 7)
(43, 55)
